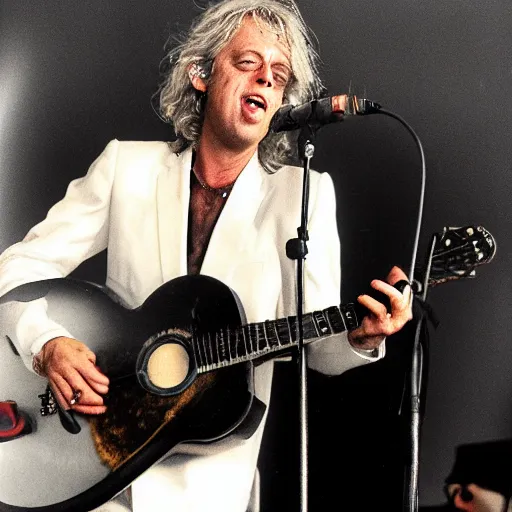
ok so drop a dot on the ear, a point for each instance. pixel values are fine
(197, 77)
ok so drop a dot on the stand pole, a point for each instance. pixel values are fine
(296, 249)
(417, 367)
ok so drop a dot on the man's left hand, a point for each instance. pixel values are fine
(380, 323)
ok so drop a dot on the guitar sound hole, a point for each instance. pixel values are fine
(168, 365)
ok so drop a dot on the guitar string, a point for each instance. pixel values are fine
(313, 327)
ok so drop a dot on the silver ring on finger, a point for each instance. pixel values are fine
(76, 397)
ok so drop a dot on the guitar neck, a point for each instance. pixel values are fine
(267, 339)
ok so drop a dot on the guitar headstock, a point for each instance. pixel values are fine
(458, 251)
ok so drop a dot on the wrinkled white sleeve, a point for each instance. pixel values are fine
(75, 229)
(331, 355)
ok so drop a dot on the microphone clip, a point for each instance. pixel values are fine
(360, 106)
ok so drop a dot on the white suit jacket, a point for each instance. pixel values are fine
(134, 200)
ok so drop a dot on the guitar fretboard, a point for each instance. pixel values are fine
(257, 340)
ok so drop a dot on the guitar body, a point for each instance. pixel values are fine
(51, 469)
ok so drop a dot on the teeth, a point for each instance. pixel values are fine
(253, 101)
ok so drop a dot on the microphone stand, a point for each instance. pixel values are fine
(417, 390)
(296, 249)
(412, 478)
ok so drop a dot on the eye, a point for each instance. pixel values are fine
(281, 79)
(247, 64)
(281, 76)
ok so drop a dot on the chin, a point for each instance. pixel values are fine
(246, 139)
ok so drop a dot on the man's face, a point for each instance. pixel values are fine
(246, 88)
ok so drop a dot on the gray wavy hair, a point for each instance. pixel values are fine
(183, 106)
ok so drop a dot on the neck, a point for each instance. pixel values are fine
(218, 166)
(260, 341)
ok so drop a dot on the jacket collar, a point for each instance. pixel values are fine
(233, 229)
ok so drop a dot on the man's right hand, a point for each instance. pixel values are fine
(70, 366)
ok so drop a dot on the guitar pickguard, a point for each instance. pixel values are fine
(133, 417)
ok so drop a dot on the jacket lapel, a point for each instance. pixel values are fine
(235, 227)
(173, 192)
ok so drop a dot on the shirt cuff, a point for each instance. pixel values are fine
(372, 354)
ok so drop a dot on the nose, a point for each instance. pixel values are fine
(265, 77)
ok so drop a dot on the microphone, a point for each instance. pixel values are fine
(322, 111)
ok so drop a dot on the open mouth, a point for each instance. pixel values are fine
(256, 101)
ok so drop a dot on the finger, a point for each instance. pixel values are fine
(58, 394)
(91, 372)
(89, 409)
(98, 376)
(407, 293)
(401, 309)
(89, 354)
(65, 390)
(101, 389)
(72, 381)
(387, 289)
(396, 274)
(58, 383)
(374, 306)
(88, 394)
(93, 375)
(399, 301)
(383, 323)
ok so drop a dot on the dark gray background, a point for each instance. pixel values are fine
(74, 75)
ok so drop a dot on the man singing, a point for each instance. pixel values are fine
(217, 201)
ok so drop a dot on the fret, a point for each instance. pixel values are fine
(233, 344)
(232, 339)
(247, 339)
(241, 345)
(283, 332)
(261, 339)
(253, 338)
(194, 357)
(215, 347)
(202, 352)
(308, 327)
(271, 334)
(193, 342)
(292, 322)
(349, 315)
(335, 319)
(197, 351)
(321, 323)
(228, 346)
(218, 347)
(209, 352)
(223, 353)
(202, 349)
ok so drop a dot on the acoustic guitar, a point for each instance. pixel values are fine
(180, 369)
